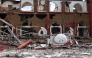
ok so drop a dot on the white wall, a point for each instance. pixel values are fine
(83, 4)
(6, 3)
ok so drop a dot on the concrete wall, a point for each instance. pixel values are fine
(65, 18)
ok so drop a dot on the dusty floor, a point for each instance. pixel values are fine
(74, 52)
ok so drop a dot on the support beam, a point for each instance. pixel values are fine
(48, 24)
(90, 18)
(63, 7)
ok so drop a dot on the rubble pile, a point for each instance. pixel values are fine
(74, 52)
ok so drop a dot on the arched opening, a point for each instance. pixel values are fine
(82, 29)
(53, 7)
(27, 6)
(78, 7)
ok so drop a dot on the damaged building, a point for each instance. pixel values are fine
(50, 24)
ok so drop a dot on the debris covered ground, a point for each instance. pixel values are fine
(74, 52)
(82, 50)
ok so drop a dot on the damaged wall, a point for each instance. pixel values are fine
(68, 18)
(14, 19)
(40, 19)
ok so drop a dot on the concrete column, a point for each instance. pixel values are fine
(63, 6)
(48, 24)
(90, 18)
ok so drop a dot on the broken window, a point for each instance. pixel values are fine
(27, 31)
(82, 29)
(55, 28)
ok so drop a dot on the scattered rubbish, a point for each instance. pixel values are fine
(2, 47)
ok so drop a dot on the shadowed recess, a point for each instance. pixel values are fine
(41, 16)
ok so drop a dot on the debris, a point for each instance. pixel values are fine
(2, 47)
(25, 44)
(85, 53)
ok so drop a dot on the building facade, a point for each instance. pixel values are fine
(74, 15)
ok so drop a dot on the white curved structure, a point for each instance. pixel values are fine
(61, 39)
(43, 30)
